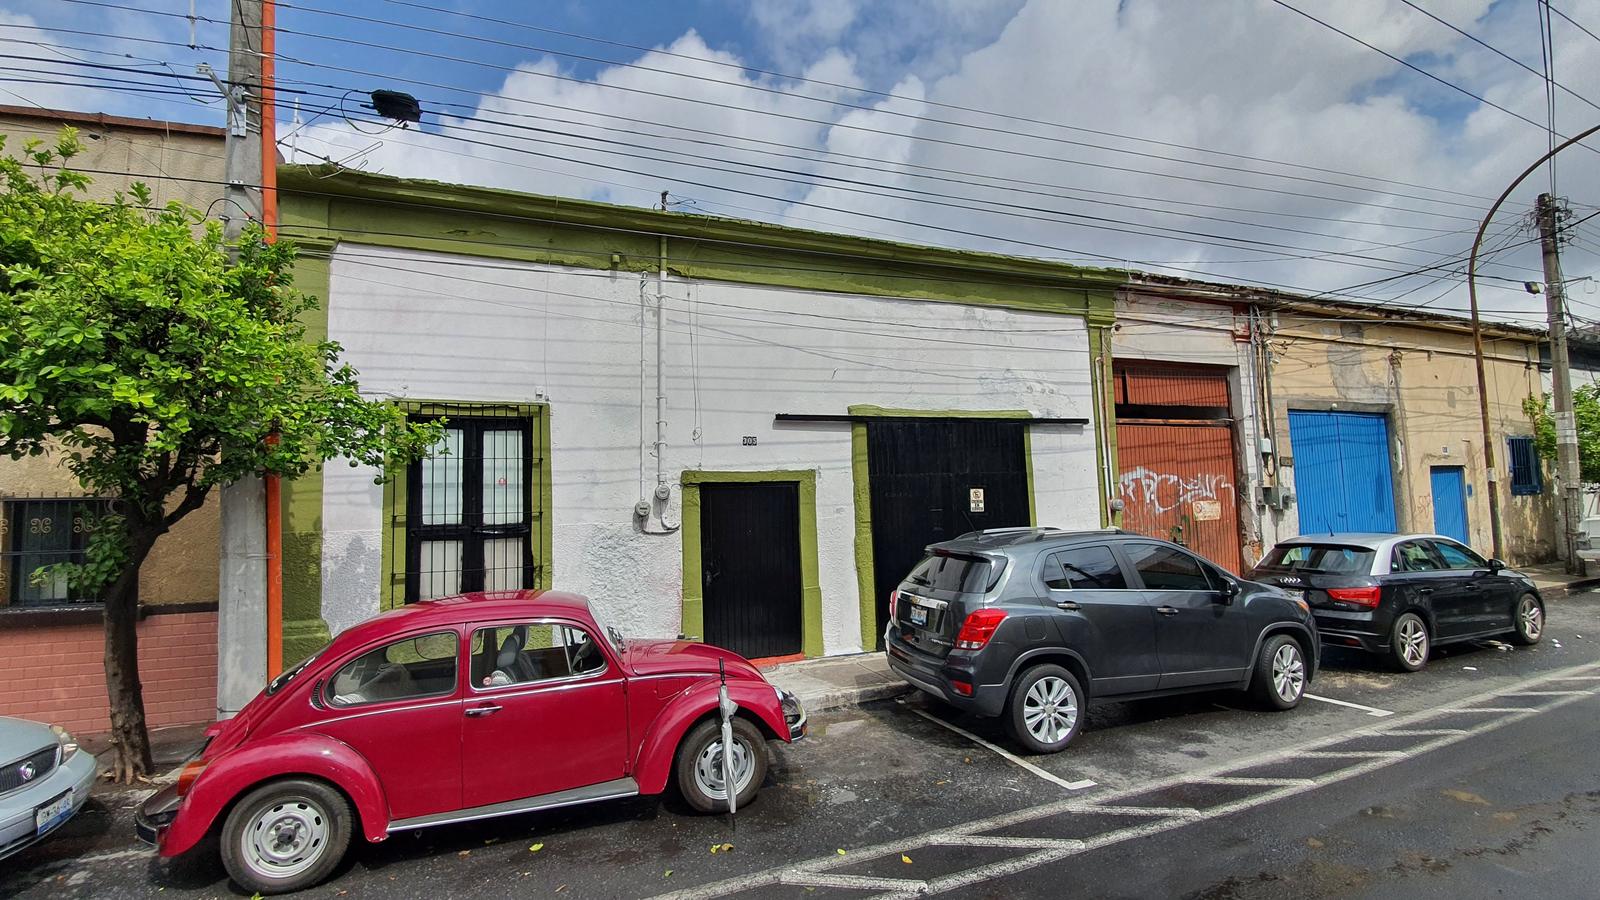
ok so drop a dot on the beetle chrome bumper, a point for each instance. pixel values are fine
(155, 814)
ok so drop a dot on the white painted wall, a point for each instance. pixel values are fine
(442, 327)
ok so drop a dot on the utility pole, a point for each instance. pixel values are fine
(242, 581)
(1549, 214)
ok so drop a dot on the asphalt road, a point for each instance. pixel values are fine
(1473, 778)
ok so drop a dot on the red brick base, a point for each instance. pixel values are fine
(56, 673)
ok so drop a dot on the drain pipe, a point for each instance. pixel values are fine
(663, 491)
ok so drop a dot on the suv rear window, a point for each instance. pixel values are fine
(1318, 559)
(962, 574)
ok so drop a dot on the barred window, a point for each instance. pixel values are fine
(469, 516)
(39, 532)
(1524, 459)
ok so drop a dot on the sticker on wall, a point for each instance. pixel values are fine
(1206, 510)
(975, 499)
(749, 440)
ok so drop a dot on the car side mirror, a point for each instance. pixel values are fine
(1230, 590)
(1496, 565)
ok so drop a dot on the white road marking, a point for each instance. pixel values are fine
(1484, 709)
(1577, 678)
(1161, 820)
(1025, 843)
(1004, 753)
(1426, 732)
(1548, 694)
(1369, 710)
(1250, 781)
(858, 882)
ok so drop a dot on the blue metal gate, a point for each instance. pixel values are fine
(1342, 478)
(1450, 501)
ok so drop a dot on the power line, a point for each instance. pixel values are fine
(1573, 22)
(885, 94)
(934, 198)
(1542, 76)
(1412, 66)
(415, 52)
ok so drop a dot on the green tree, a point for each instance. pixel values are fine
(160, 369)
(1586, 410)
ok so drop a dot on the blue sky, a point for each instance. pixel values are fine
(1185, 138)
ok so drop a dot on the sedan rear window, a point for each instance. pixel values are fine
(1318, 559)
(962, 574)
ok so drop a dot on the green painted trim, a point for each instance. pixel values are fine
(862, 490)
(320, 213)
(1105, 446)
(396, 488)
(1027, 461)
(810, 578)
(300, 506)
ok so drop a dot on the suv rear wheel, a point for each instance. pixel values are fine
(1279, 680)
(1046, 709)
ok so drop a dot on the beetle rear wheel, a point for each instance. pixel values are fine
(699, 765)
(286, 836)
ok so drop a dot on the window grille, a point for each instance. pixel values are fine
(42, 531)
(1524, 462)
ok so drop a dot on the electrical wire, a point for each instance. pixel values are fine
(1542, 76)
(1573, 22)
(1410, 65)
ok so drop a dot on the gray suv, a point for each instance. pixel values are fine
(1031, 623)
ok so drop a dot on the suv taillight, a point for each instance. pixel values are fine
(979, 628)
(1361, 596)
(894, 602)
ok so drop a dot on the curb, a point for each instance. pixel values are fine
(1560, 592)
(846, 698)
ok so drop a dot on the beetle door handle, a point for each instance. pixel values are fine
(1167, 610)
(485, 710)
(1068, 605)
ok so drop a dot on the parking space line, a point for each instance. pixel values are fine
(857, 882)
(1348, 754)
(1577, 678)
(1369, 710)
(1004, 753)
(994, 840)
(1161, 819)
(1483, 709)
(1250, 780)
(1425, 732)
(1547, 694)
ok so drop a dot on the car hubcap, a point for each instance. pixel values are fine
(286, 838)
(1050, 710)
(1288, 672)
(1532, 618)
(1413, 642)
(708, 768)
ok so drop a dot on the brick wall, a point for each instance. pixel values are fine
(56, 673)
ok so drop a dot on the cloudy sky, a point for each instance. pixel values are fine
(1228, 140)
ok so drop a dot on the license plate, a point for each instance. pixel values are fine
(53, 813)
(1296, 595)
(919, 616)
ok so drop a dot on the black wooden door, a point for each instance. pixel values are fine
(922, 473)
(750, 567)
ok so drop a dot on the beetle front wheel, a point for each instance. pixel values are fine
(699, 765)
(285, 836)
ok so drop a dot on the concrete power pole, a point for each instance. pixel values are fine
(1566, 425)
(242, 583)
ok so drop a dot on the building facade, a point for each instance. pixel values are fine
(51, 638)
(728, 430)
(1338, 416)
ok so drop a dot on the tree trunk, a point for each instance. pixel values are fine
(129, 736)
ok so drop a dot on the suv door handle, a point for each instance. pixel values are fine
(1425, 591)
(1068, 605)
(479, 711)
(1167, 610)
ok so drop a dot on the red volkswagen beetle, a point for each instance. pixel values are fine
(458, 709)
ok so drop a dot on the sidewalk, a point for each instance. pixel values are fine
(1554, 583)
(838, 681)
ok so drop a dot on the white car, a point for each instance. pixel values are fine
(1589, 534)
(44, 781)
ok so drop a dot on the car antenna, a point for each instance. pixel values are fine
(727, 708)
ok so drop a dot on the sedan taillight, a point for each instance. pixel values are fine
(979, 628)
(894, 602)
(1360, 596)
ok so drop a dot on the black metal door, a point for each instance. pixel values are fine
(923, 472)
(750, 567)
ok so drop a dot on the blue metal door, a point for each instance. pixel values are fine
(1450, 502)
(1342, 477)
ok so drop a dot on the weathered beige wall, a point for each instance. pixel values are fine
(183, 566)
(1425, 380)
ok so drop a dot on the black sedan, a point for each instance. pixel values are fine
(1400, 595)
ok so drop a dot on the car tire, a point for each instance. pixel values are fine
(1046, 709)
(286, 836)
(699, 764)
(1528, 620)
(1410, 642)
(1279, 678)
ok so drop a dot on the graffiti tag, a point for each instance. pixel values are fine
(1165, 492)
